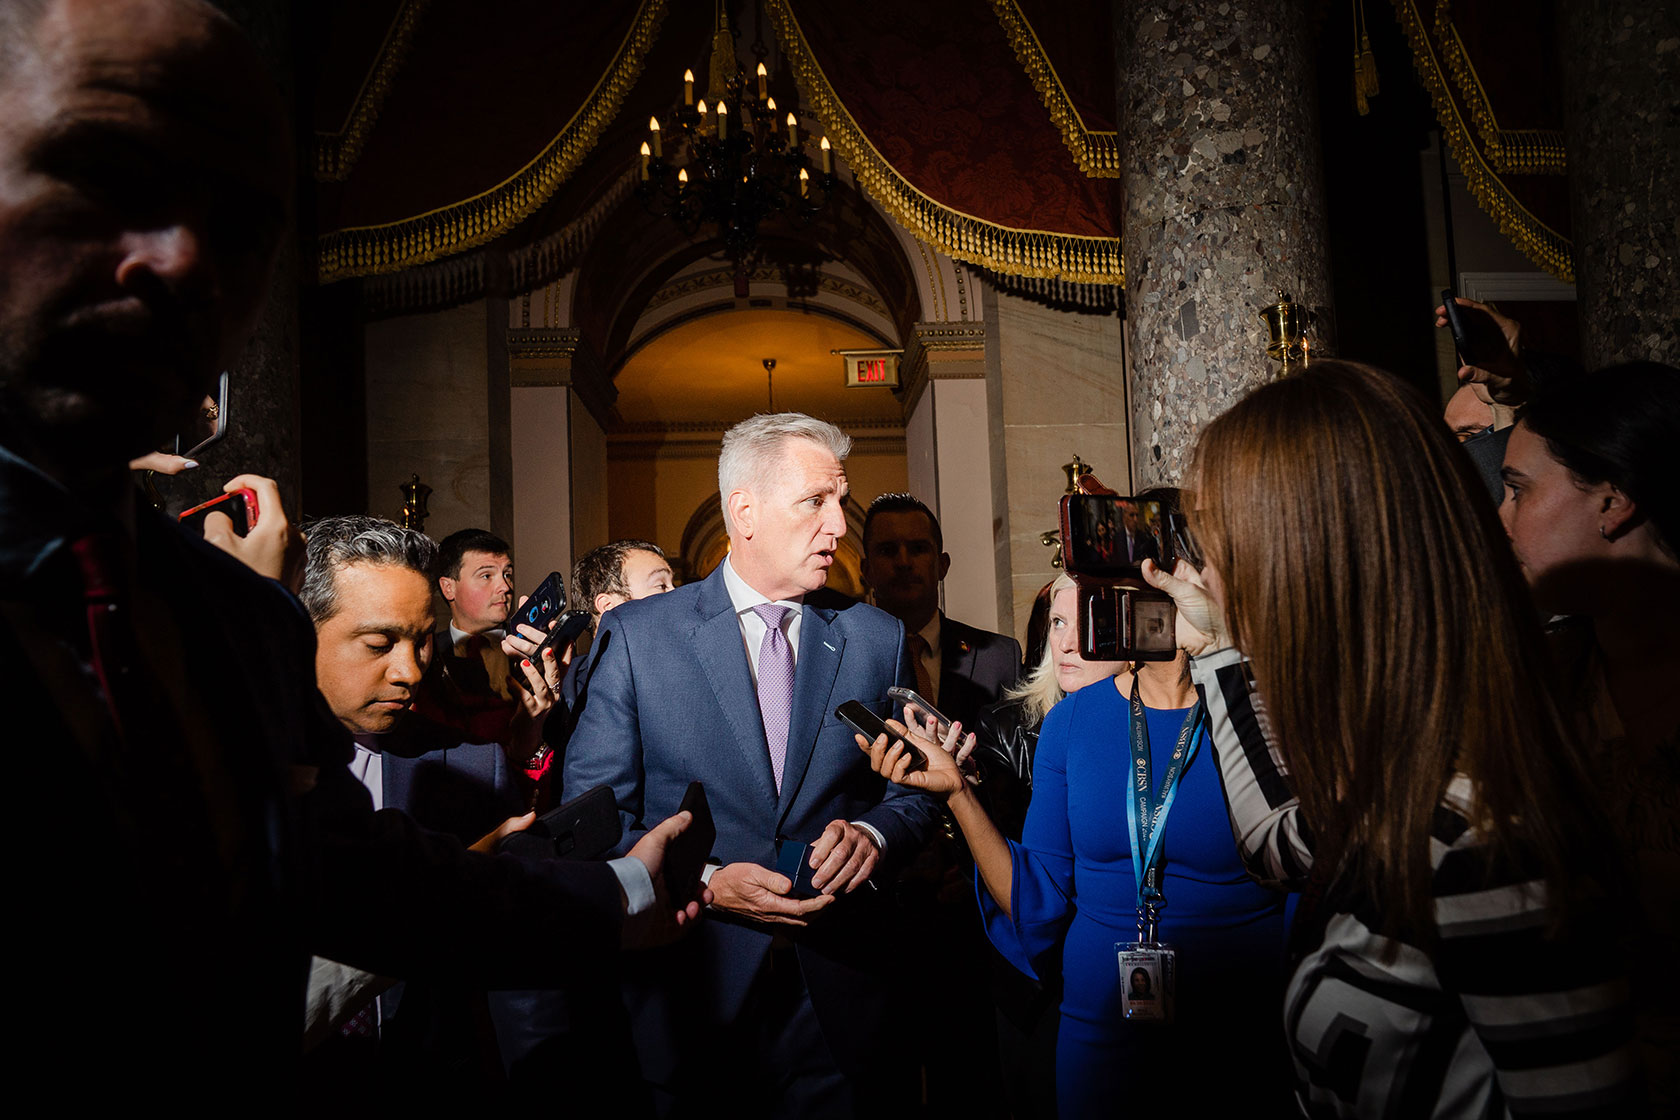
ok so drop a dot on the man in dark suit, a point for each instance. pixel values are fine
(214, 835)
(960, 669)
(782, 1005)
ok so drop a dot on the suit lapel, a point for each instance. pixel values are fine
(956, 654)
(820, 647)
(717, 646)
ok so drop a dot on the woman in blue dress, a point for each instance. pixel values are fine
(1071, 882)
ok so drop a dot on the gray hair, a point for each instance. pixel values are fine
(334, 543)
(753, 448)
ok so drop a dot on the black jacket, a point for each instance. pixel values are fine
(1004, 746)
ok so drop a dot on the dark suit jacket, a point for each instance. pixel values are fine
(169, 891)
(671, 700)
(975, 666)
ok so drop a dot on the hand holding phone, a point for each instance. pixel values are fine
(240, 506)
(686, 855)
(854, 714)
(540, 607)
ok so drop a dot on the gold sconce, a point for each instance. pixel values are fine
(414, 512)
(1287, 323)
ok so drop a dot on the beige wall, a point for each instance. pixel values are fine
(1062, 382)
(428, 414)
(542, 481)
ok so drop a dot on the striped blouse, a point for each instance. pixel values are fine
(1499, 1019)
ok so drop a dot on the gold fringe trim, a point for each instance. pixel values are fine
(1539, 242)
(963, 237)
(1097, 153)
(336, 152)
(1523, 151)
(369, 250)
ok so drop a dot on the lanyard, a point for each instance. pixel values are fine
(1147, 808)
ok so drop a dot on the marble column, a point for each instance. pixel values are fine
(1224, 205)
(1621, 86)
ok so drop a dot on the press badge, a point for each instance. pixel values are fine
(1148, 976)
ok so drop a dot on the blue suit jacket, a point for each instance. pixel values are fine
(671, 700)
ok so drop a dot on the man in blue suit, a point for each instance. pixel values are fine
(734, 681)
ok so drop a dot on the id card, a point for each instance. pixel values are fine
(1148, 975)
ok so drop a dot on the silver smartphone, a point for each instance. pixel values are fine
(908, 697)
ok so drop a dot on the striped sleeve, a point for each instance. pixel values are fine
(1552, 1011)
(1265, 816)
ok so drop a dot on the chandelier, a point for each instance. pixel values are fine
(730, 161)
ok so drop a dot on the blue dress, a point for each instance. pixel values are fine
(1073, 884)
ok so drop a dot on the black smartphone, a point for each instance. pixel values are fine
(541, 607)
(854, 714)
(1109, 537)
(1474, 347)
(565, 632)
(586, 827)
(240, 507)
(686, 856)
(793, 859)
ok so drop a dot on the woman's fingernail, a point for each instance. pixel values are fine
(188, 464)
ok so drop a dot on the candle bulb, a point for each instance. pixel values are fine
(804, 183)
(682, 176)
(793, 131)
(763, 78)
(653, 127)
(723, 120)
(827, 157)
(688, 87)
(645, 154)
(771, 105)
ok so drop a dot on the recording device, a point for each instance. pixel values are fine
(240, 507)
(219, 415)
(586, 827)
(565, 632)
(854, 714)
(686, 856)
(1471, 334)
(793, 859)
(910, 697)
(541, 607)
(1105, 539)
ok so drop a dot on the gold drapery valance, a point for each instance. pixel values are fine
(1096, 152)
(964, 237)
(369, 250)
(336, 152)
(1483, 151)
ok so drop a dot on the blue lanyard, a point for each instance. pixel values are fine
(1147, 808)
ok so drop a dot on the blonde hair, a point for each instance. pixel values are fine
(1391, 638)
(1039, 690)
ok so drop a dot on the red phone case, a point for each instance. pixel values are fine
(204, 508)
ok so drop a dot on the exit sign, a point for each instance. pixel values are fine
(869, 369)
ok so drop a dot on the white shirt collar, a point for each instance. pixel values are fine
(930, 632)
(743, 597)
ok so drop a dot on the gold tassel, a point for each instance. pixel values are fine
(1359, 101)
(1368, 67)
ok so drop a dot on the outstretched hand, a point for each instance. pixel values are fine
(1201, 624)
(889, 758)
(1498, 377)
(667, 918)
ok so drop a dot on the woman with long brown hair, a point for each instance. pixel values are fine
(1388, 732)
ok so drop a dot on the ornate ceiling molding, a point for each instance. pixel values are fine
(1545, 246)
(367, 250)
(1021, 252)
(336, 152)
(1097, 153)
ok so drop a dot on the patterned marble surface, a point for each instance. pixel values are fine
(1224, 206)
(1622, 131)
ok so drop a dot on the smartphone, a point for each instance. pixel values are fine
(586, 827)
(793, 859)
(240, 507)
(686, 856)
(908, 696)
(1105, 536)
(859, 718)
(219, 430)
(541, 607)
(1471, 350)
(565, 632)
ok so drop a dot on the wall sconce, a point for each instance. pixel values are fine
(414, 512)
(1287, 323)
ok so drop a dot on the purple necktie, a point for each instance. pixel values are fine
(775, 685)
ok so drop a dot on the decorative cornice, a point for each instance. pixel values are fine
(1097, 153)
(542, 343)
(1523, 151)
(1537, 241)
(365, 250)
(696, 282)
(926, 339)
(336, 152)
(1023, 252)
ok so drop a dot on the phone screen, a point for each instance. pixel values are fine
(1111, 537)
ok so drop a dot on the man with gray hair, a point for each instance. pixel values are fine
(732, 681)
